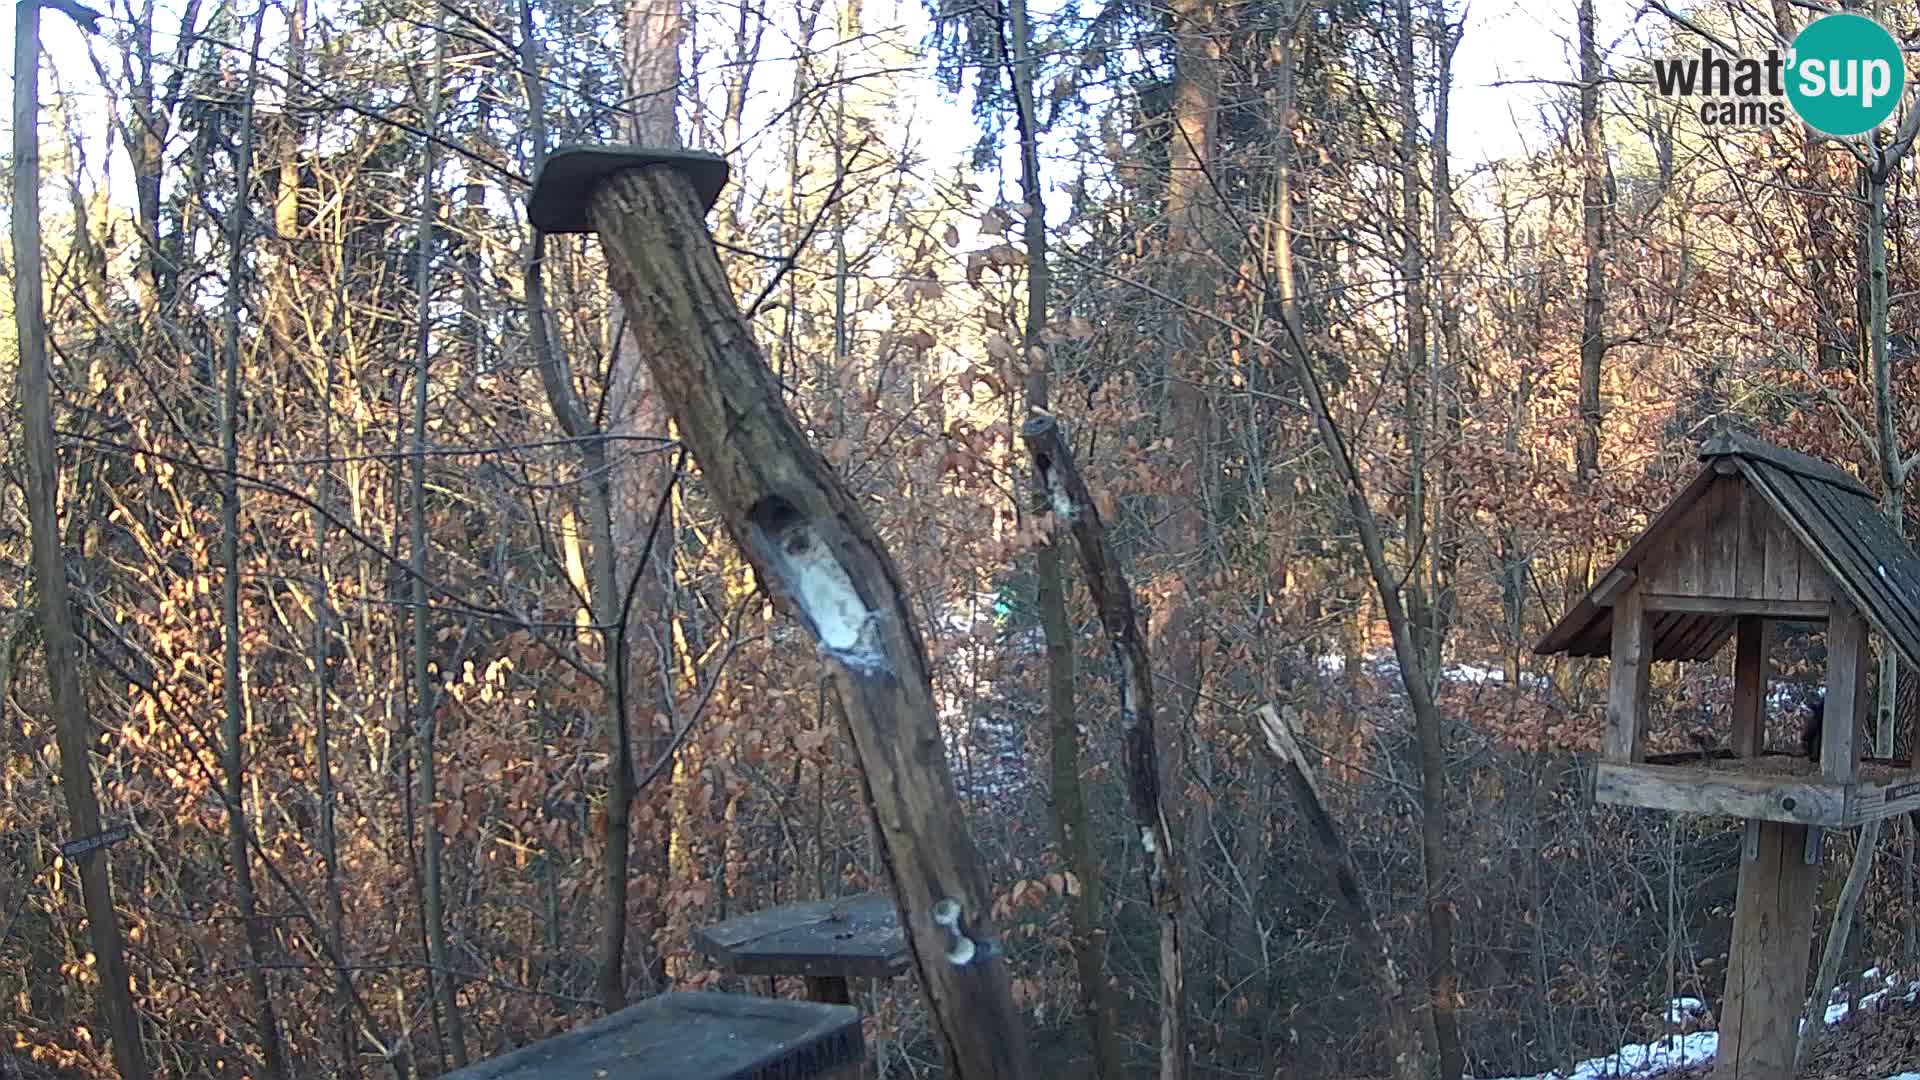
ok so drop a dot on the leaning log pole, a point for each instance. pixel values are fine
(816, 554)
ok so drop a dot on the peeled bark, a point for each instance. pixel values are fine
(1056, 475)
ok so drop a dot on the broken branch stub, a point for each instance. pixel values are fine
(1055, 474)
(1406, 1042)
(815, 552)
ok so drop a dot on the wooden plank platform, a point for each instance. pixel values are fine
(848, 937)
(1771, 787)
(692, 1036)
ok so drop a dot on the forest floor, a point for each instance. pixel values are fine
(1881, 1041)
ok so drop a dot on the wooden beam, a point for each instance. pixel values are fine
(1796, 610)
(1767, 960)
(693, 1036)
(1749, 685)
(1682, 790)
(814, 551)
(1846, 693)
(1871, 802)
(1617, 579)
(1627, 682)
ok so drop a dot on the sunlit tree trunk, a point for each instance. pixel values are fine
(1085, 909)
(72, 728)
(1190, 214)
(1437, 861)
(426, 724)
(239, 853)
(1593, 304)
(653, 31)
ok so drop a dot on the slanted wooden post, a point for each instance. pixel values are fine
(813, 550)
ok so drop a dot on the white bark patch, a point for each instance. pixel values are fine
(842, 623)
(1063, 504)
(1147, 841)
(1128, 706)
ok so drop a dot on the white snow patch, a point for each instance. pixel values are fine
(1057, 496)
(1674, 1051)
(1641, 1059)
(1473, 673)
(1682, 1009)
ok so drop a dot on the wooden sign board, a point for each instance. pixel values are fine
(73, 849)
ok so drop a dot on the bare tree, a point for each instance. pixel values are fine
(426, 723)
(72, 728)
(259, 945)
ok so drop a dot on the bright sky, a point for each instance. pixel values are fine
(1509, 41)
(1506, 42)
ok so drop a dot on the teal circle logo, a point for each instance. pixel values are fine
(1846, 75)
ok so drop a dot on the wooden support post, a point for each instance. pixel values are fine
(1846, 693)
(1749, 707)
(1845, 701)
(1767, 961)
(831, 989)
(1627, 682)
(814, 551)
(1749, 685)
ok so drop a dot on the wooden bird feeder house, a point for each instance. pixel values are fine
(1762, 535)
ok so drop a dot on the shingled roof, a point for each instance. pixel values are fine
(1834, 517)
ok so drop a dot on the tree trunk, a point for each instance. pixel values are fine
(1086, 906)
(324, 503)
(233, 760)
(1059, 478)
(426, 726)
(1448, 390)
(652, 33)
(812, 547)
(72, 728)
(1416, 374)
(1413, 676)
(1593, 307)
(286, 202)
(1196, 107)
(1442, 981)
